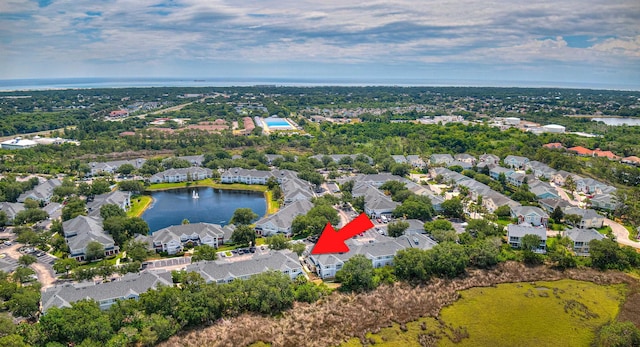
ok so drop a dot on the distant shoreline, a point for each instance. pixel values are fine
(44, 84)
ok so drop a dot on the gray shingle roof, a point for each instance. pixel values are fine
(128, 286)
(225, 270)
(285, 216)
(583, 235)
(520, 230)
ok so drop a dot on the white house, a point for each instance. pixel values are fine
(181, 175)
(82, 230)
(515, 233)
(589, 218)
(530, 215)
(175, 238)
(581, 239)
(280, 222)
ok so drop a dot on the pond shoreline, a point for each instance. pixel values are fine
(270, 208)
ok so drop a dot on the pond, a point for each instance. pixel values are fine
(199, 204)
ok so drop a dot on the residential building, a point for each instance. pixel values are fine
(337, 157)
(579, 150)
(399, 159)
(633, 160)
(489, 159)
(280, 222)
(43, 192)
(530, 215)
(11, 209)
(18, 143)
(515, 233)
(120, 198)
(581, 239)
(129, 286)
(181, 175)
(379, 249)
(540, 169)
(195, 160)
(550, 204)
(416, 161)
(554, 145)
(604, 202)
(496, 171)
(543, 190)
(440, 159)
(111, 167)
(590, 218)
(466, 158)
(589, 185)
(516, 162)
(225, 271)
(463, 164)
(561, 176)
(82, 230)
(176, 238)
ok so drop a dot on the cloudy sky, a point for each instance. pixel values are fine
(568, 41)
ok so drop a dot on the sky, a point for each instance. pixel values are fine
(582, 42)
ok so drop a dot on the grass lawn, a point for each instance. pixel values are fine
(208, 183)
(559, 313)
(138, 205)
(633, 232)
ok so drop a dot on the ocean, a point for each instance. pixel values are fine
(84, 83)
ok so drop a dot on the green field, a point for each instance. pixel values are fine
(560, 313)
(138, 205)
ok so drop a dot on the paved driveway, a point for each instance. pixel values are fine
(622, 234)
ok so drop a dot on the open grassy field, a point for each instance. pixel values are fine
(558, 313)
(138, 205)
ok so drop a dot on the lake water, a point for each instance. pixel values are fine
(215, 206)
(618, 121)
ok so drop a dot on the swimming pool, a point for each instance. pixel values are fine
(279, 123)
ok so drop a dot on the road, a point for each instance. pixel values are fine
(622, 234)
(43, 271)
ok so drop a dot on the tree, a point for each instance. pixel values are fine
(243, 216)
(131, 186)
(137, 251)
(277, 241)
(570, 184)
(4, 219)
(356, 275)
(84, 189)
(100, 186)
(126, 169)
(23, 274)
(573, 219)
(25, 303)
(557, 215)
(484, 253)
(503, 211)
(111, 210)
(74, 207)
(529, 244)
(415, 207)
(30, 203)
(27, 260)
(204, 252)
(72, 325)
(392, 186)
(94, 250)
(30, 215)
(243, 235)
(453, 208)
(396, 229)
(297, 247)
(65, 265)
(439, 224)
(411, 264)
(448, 259)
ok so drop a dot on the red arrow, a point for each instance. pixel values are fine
(332, 241)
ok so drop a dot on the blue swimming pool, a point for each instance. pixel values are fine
(277, 123)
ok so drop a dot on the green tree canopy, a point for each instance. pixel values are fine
(398, 228)
(243, 216)
(243, 235)
(204, 252)
(356, 275)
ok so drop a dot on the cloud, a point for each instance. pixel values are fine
(416, 33)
